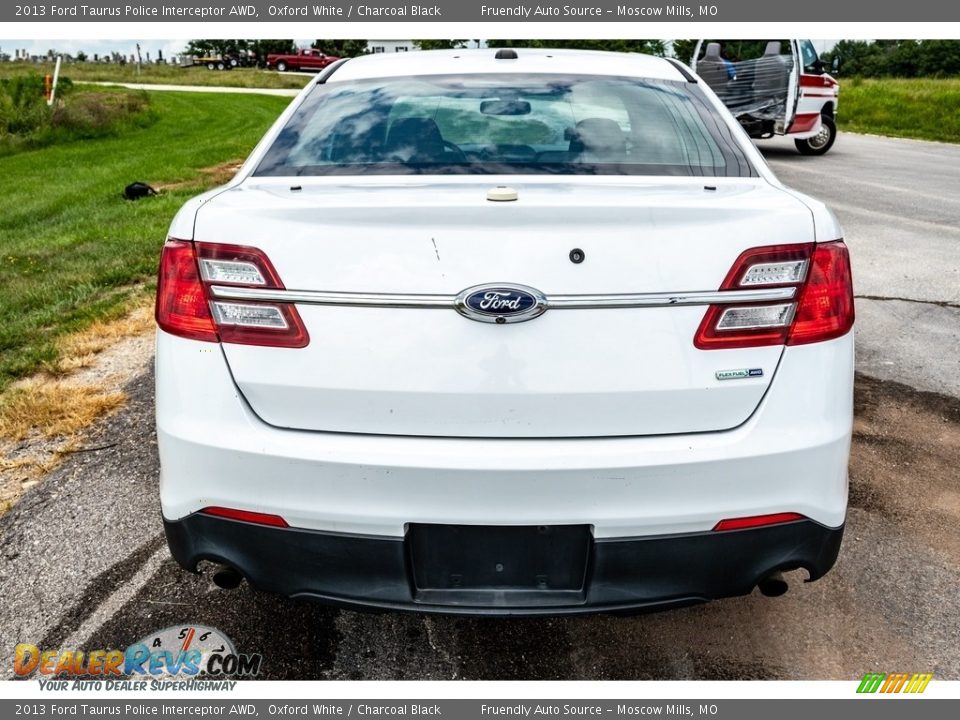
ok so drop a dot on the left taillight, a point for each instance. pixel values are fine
(185, 306)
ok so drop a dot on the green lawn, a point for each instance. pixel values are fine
(162, 74)
(914, 108)
(71, 248)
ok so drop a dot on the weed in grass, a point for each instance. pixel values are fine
(26, 121)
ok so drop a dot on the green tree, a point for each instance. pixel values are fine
(265, 47)
(342, 48)
(218, 47)
(440, 44)
(939, 58)
(682, 50)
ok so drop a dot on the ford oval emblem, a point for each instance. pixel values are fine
(501, 303)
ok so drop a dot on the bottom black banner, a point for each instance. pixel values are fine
(873, 707)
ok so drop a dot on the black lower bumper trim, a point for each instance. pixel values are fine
(623, 574)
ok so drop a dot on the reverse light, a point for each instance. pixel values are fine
(185, 308)
(782, 273)
(246, 516)
(248, 315)
(822, 308)
(231, 272)
(755, 521)
(757, 316)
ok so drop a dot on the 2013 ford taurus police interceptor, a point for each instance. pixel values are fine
(505, 332)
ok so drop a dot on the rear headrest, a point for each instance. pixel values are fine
(598, 135)
(415, 139)
(713, 51)
(773, 48)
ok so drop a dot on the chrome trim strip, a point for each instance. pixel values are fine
(634, 300)
(320, 297)
(559, 302)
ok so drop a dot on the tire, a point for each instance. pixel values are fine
(281, 66)
(221, 65)
(819, 144)
(211, 66)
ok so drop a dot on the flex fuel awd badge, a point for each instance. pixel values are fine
(739, 374)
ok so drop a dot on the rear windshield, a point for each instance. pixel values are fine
(505, 124)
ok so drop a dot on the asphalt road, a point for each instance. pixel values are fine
(899, 204)
(83, 563)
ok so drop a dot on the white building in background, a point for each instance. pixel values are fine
(390, 46)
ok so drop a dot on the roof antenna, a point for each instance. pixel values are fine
(506, 54)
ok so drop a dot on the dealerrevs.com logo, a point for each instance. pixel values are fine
(894, 682)
(181, 657)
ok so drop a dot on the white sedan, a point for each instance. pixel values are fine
(505, 332)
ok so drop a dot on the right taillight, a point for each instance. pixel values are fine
(825, 308)
(820, 309)
(185, 306)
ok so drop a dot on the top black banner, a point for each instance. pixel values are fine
(479, 11)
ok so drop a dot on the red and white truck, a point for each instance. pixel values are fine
(302, 59)
(773, 87)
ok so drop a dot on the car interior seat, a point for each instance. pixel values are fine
(772, 73)
(598, 140)
(416, 140)
(713, 70)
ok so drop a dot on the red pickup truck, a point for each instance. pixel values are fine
(303, 59)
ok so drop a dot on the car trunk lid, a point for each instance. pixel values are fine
(571, 372)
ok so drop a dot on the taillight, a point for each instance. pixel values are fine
(821, 309)
(182, 307)
(825, 310)
(185, 306)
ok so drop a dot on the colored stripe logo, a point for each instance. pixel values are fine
(894, 682)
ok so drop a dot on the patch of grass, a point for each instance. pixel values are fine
(43, 418)
(912, 108)
(78, 350)
(163, 75)
(52, 408)
(27, 122)
(72, 250)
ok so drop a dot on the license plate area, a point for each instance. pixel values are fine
(498, 565)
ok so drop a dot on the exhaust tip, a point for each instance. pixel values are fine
(773, 585)
(227, 578)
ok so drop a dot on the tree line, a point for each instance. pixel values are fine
(898, 58)
(876, 58)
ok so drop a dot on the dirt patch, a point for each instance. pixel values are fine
(905, 460)
(206, 177)
(43, 418)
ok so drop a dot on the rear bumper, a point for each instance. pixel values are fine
(790, 456)
(622, 574)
